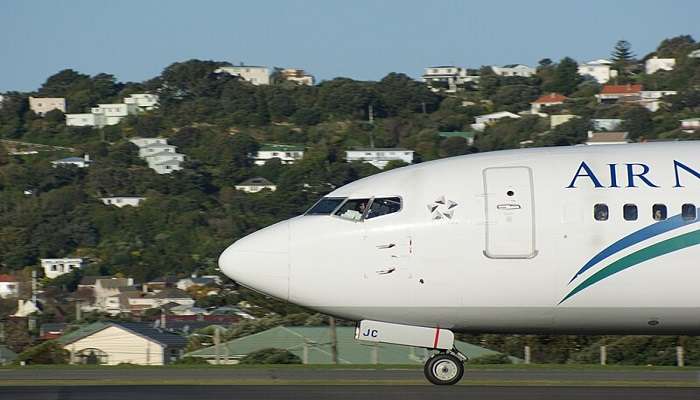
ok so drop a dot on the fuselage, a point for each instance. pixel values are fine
(584, 239)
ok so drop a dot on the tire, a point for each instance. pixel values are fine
(443, 369)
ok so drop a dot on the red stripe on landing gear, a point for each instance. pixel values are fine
(437, 336)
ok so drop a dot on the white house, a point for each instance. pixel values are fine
(107, 291)
(600, 70)
(482, 120)
(144, 101)
(140, 142)
(42, 105)
(79, 162)
(9, 286)
(86, 119)
(160, 156)
(206, 280)
(255, 185)
(55, 267)
(690, 125)
(113, 343)
(155, 148)
(606, 124)
(514, 70)
(166, 167)
(652, 99)
(122, 201)
(288, 154)
(558, 119)
(595, 138)
(448, 76)
(256, 75)
(113, 113)
(546, 100)
(297, 75)
(694, 54)
(656, 64)
(615, 93)
(379, 157)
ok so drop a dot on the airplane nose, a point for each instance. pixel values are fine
(260, 261)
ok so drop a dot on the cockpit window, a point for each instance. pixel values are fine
(353, 209)
(383, 206)
(325, 206)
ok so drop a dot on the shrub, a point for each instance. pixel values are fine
(46, 353)
(497, 358)
(271, 356)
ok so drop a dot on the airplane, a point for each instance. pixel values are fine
(561, 240)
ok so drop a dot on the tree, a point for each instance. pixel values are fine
(271, 356)
(454, 146)
(622, 57)
(637, 122)
(45, 353)
(565, 77)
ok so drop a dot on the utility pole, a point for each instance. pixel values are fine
(78, 311)
(334, 341)
(217, 341)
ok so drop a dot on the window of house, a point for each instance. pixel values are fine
(689, 212)
(53, 268)
(629, 212)
(659, 212)
(601, 212)
(384, 206)
(353, 209)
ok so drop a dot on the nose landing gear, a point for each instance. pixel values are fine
(444, 368)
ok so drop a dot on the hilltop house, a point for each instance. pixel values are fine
(55, 267)
(606, 124)
(122, 201)
(256, 75)
(144, 101)
(600, 70)
(482, 120)
(614, 93)
(9, 286)
(447, 77)
(111, 114)
(160, 156)
(297, 75)
(514, 70)
(79, 162)
(379, 157)
(42, 105)
(288, 154)
(690, 125)
(254, 185)
(694, 54)
(659, 64)
(546, 100)
(113, 343)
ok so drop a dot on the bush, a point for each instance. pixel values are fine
(190, 361)
(46, 353)
(271, 356)
(497, 358)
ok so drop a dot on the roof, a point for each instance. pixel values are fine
(599, 137)
(7, 278)
(71, 160)
(500, 114)
(379, 149)
(281, 147)
(465, 135)
(163, 153)
(113, 283)
(172, 293)
(90, 280)
(157, 145)
(169, 162)
(551, 98)
(257, 181)
(317, 341)
(621, 89)
(165, 338)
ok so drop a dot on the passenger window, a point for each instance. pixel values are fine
(325, 206)
(629, 211)
(353, 209)
(600, 212)
(384, 206)
(658, 211)
(689, 212)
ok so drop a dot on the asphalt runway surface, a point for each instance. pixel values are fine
(342, 392)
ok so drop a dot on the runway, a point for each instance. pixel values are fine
(342, 392)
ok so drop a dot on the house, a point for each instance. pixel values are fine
(558, 119)
(690, 125)
(514, 70)
(288, 154)
(379, 157)
(113, 113)
(255, 185)
(122, 201)
(79, 162)
(694, 54)
(194, 280)
(468, 136)
(85, 119)
(160, 156)
(652, 99)
(42, 105)
(659, 64)
(155, 148)
(113, 343)
(614, 93)
(26, 308)
(297, 75)
(482, 120)
(596, 138)
(9, 286)
(312, 344)
(141, 142)
(55, 267)
(159, 284)
(606, 124)
(599, 70)
(256, 75)
(136, 302)
(107, 292)
(144, 101)
(551, 99)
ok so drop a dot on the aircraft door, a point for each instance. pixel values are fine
(510, 215)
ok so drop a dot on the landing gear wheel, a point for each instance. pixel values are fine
(443, 369)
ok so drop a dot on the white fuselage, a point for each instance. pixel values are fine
(501, 242)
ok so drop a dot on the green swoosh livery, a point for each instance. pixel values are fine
(639, 256)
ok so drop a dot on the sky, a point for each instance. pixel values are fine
(360, 39)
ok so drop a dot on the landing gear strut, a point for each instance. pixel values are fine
(444, 368)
